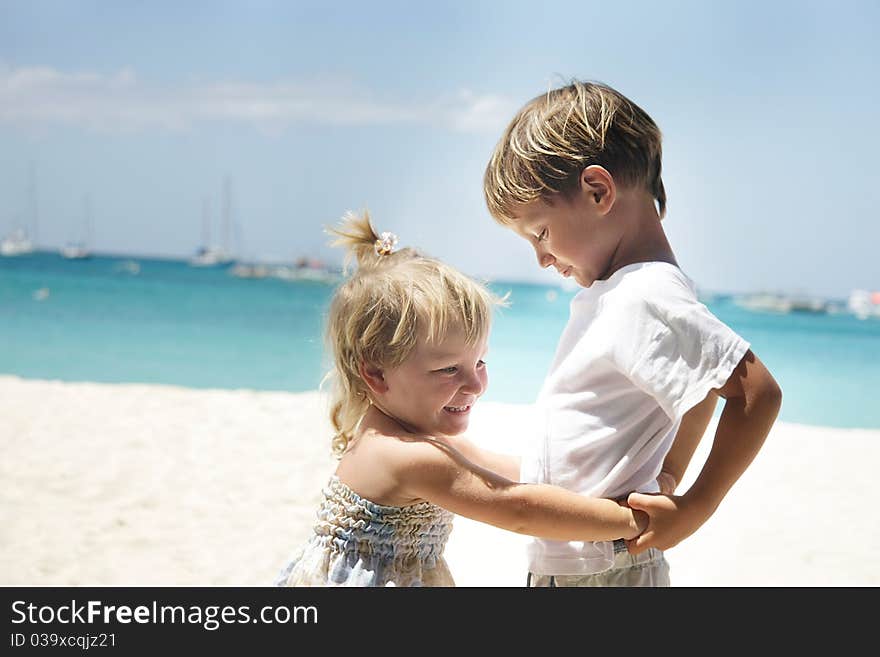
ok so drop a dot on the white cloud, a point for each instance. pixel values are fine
(42, 96)
(476, 113)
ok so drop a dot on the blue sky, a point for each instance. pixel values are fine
(768, 109)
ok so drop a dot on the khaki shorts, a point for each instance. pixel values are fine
(649, 568)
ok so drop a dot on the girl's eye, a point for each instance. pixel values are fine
(481, 363)
(542, 235)
(449, 370)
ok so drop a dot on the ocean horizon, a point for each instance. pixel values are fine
(134, 319)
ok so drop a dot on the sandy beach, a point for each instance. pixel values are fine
(132, 484)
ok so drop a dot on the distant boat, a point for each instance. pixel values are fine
(79, 250)
(76, 251)
(782, 303)
(774, 303)
(864, 303)
(809, 305)
(296, 274)
(249, 270)
(21, 240)
(304, 269)
(307, 269)
(16, 243)
(212, 255)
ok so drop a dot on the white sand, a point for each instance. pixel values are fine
(159, 485)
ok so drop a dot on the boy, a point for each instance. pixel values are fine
(641, 361)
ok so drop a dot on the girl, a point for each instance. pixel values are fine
(408, 335)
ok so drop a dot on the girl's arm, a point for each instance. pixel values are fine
(443, 475)
(506, 465)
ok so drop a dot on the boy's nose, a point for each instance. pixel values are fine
(545, 259)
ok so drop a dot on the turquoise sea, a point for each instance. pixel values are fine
(123, 319)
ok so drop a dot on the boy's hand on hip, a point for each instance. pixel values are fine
(671, 520)
(667, 483)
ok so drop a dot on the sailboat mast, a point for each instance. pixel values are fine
(87, 237)
(206, 222)
(33, 211)
(227, 211)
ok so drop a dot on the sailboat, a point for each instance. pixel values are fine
(76, 251)
(16, 243)
(212, 255)
(19, 241)
(80, 250)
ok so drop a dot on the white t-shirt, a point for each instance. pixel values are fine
(639, 351)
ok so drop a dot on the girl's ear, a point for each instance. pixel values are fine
(598, 184)
(373, 377)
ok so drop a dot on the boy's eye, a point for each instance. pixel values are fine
(481, 363)
(542, 235)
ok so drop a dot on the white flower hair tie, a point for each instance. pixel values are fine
(386, 244)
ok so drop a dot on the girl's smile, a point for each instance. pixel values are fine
(434, 390)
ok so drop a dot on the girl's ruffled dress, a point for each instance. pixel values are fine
(357, 542)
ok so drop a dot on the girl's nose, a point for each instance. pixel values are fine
(473, 385)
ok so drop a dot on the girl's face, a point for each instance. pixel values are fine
(434, 390)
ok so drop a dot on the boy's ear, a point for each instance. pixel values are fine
(598, 185)
(373, 377)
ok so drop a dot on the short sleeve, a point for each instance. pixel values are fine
(674, 349)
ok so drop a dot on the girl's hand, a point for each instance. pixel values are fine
(638, 523)
(672, 519)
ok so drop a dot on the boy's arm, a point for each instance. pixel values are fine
(752, 401)
(692, 428)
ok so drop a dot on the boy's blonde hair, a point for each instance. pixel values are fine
(382, 311)
(555, 136)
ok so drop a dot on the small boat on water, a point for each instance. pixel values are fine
(16, 243)
(285, 273)
(864, 303)
(210, 256)
(79, 249)
(782, 303)
(249, 270)
(773, 303)
(304, 269)
(76, 251)
(211, 253)
(809, 305)
(307, 269)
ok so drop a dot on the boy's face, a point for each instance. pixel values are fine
(573, 235)
(434, 390)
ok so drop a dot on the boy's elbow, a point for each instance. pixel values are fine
(773, 390)
(769, 395)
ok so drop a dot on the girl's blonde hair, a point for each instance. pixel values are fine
(380, 313)
(556, 135)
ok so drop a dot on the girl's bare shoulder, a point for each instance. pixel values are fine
(382, 467)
